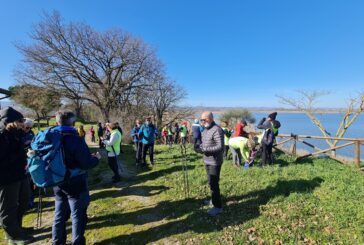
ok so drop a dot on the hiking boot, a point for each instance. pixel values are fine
(207, 202)
(214, 211)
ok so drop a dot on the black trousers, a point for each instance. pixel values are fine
(113, 164)
(138, 151)
(150, 148)
(14, 199)
(196, 141)
(213, 176)
(226, 151)
(267, 157)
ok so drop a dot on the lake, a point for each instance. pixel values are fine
(299, 123)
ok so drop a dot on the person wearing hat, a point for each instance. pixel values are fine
(270, 127)
(14, 184)
(112, 146)
(147, 134)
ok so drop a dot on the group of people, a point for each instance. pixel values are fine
(72, 197)
(174, 134)
(214, 142)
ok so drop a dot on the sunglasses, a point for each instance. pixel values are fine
(202, 120)
(28, 127)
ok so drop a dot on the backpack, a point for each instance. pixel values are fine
(46, 161)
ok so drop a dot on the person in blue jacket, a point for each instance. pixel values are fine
(138, 146)
(72, 197)
(147, 134)
(196, 132)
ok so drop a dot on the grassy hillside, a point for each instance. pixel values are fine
(316, 202)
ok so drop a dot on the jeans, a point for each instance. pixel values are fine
(138, 151)
(14, 200)
(267, 157)
(236, 156)
(150, 148)
(65, 206)
(213, 176)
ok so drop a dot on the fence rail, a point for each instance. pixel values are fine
(330, 151)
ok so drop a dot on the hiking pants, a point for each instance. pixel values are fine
(150, 148)
(213, 176)
(113, 164)
(65, 206)
(226, 151)
(138, 151)
(267, 154)
(14, 200)
(236, 156)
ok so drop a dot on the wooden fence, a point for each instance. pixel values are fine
(330, 152)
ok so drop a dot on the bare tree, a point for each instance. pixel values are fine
(104, 68)
(163, 98)
(306, 103)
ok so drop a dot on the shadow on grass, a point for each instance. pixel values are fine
(239, 209)
(145, 191)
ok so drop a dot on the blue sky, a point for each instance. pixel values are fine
(225, 53)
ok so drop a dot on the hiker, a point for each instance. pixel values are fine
(240, 148)
(112, 146)
(100, 134)
(121, 133)
(137, 142)
(239, 129)
(92, 134)
(28, 133)
(170, 135)
(165, 134)
(72, 197)
(183, 133)
(176, 133)
(212, 147)
(14, 184)
(227, 135)
(81, 132)
(196, 132)
(270, 126)
(147, 134)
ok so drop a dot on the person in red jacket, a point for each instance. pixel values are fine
(239, 129)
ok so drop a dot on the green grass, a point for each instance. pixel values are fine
(316, 201)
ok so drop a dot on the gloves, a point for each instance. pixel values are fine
(198, 148)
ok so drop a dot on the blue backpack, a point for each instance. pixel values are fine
(46, 161)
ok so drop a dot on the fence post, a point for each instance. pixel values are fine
(294, 148)
(357, 153)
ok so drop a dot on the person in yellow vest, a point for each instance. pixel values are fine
(113, 150)
(81, 132)
(240, 149)
(183, 133)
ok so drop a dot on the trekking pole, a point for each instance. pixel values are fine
(185, 171)
(39, 210)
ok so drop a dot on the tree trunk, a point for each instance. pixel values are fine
(106, 114)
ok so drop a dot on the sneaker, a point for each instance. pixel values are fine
(207, 202)
(214, 211)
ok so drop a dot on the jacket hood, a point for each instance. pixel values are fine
(9, 115)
